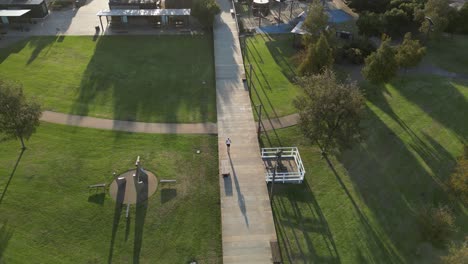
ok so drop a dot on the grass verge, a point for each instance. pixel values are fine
(143, 78)
(48, 214)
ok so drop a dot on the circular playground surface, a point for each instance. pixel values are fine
(129, 189)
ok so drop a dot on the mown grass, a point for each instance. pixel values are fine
(449, 53)
(144, 78)
(274, 70)
(48, 215)
(362, 208)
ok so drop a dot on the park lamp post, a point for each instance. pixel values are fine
(278, 158)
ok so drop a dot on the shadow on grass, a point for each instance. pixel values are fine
(11, 175)
(393, 183)
(5, 236)
(163, 83)
(140, 215)
(167, 194)
(302, 225)
(281, 46)
(97, 198)
(37, 44)
(117, 213)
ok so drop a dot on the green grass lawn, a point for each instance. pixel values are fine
(272, 58)
(144, 78)
(47, 214)
(366, 212)
(449, 53)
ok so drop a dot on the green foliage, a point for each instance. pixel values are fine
(458, 182)
(205, 11)
(356, 50)
(315, 22)
(381, 65)
(396, 21)
(410, 52)
(370, 24)
(438, 12)
(457, 254)
(18, 116)
(319, 57)
(436, 224)
(330, 111)
(458, 20)
(371, 6)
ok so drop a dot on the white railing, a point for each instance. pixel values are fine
(284, 177)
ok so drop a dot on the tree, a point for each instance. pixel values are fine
(319, 57)
(395, 20)
(434, 17)
(457, 253)
(315, 22)
(458, 182)
(410, 52)
(18, 116)
(370, 24)
(330, 111)
(381, 65)
(205, 11)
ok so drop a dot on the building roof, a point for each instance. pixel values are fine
(13, 13)
(144, 12)
(20, 2)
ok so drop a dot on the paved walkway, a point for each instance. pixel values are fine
(128, 126)
(247, 220)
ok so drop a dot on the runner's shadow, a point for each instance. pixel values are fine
(240, 197)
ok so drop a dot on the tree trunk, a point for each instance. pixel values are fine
(23, 147)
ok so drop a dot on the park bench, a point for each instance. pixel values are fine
(167, 181)
(225, 168)
(97, 186)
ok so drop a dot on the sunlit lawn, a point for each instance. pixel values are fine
(144, 78)
(366, 213)
(272, 58)
(48, 215)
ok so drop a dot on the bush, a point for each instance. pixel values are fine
(355, 51)
(457, 254)
(458, 182)
(436, 224)
(205, 11)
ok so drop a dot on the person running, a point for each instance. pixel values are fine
(228, 144)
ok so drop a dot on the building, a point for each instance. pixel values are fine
(38, 8)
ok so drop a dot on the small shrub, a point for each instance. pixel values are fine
(457, 254)
(436, 224)
(458, 182)
(354, 55)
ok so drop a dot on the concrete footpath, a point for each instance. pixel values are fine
(129, 126)
(247, 220)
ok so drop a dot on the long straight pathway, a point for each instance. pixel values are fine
(247, 220)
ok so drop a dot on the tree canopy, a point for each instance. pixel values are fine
(18, 116)
(434, 17)
(319, 57)
(205, 11)
(330, 111)
(381, 65)
(410, 52)
(315, 22)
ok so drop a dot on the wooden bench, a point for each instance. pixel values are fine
(167, 181)
(225, 171)
(97, 186)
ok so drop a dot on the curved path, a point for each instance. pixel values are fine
(129, 126)
(153, 128)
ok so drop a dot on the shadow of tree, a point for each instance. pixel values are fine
(5, 235)
(167, 83)
(295, 225)
(393, 182)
